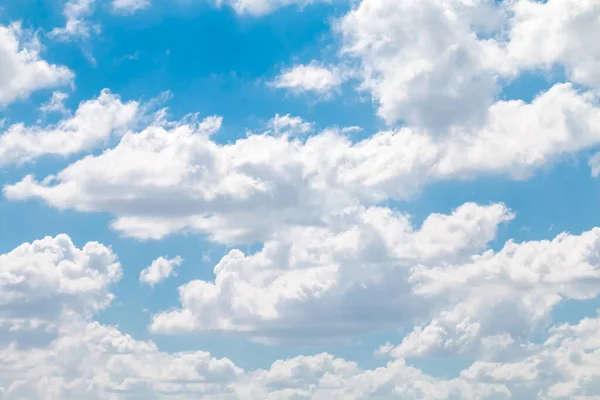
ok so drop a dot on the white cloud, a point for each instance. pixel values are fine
(129, 6)
(498, 299)
(437, 64)
(93, 123)
(565, 366)
(288, 125)
(22, 70)
(520, 137)
(87, 359)
(56, 104)
(262, 7)
(50, 279)
(563, 32)
(309, 78)
(311, 283)
(98, 362)
(77, 26)
(423, 61)
(244, 191)
(159, 270)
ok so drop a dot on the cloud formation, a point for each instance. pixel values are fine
(172, 177)
(22, 70)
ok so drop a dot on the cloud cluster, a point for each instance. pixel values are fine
(87, 359)
(309, 78)
(50, 279)
(172, 177)
(91, 126)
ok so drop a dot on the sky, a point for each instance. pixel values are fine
(299, 199)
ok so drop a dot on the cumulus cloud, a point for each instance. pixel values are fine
(436, 64)
(288, 125)
(159, 270)
(258, 8)
(94, 361)
(423, 61)
(172, 177)
(499, 298)
(557, 32)
(49, 279)
(324, 282)
(333, 261)
(22, 70)
(86, 359)
(93, 123)
(309, 78)
(565, 366)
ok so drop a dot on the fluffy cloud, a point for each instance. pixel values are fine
(313, 282)
(93, 361)
(437, 64)
(565, 366)
(563, 32)
(288, 125)
(174, 178)
(99, 362)
(93, 123)
(85, 359)
(159, 270)
(22, 70)
(44, 281)
(309, 78)
(496, 300)
(423, 61)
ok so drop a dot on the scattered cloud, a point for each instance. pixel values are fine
(309, 78)
(129, 7)
(159, 270)
(288, 125)
(23, 71)
(77, 25)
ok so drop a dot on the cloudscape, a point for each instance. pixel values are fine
(299, 199)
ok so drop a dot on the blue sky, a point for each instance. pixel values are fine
(481, 142)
